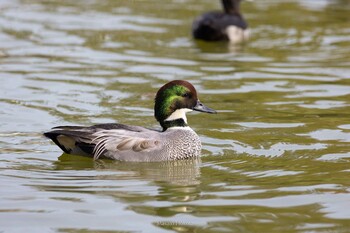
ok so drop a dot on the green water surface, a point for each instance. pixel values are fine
(276, 157)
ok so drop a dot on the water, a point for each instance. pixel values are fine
(275, 158)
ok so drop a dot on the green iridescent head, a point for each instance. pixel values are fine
(173, 96)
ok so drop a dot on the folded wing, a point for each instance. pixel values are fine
(120, 140)
(100, 139)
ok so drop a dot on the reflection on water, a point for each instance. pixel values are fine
(275, 157)
(183, 172)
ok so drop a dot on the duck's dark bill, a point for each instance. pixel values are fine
(202, 108)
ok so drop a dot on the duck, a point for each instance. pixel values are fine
(122, 142)
(228, 25)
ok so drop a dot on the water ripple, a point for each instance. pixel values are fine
(276, 156)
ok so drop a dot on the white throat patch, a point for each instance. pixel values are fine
(179, 113)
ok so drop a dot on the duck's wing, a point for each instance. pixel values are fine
(96, 140)
(121, 141)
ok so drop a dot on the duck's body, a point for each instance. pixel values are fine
(219, 26)
(135, 143)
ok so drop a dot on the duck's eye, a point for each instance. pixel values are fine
(186, 95)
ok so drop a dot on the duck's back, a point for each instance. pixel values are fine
(127, 143)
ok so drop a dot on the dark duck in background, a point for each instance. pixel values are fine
(222, 26)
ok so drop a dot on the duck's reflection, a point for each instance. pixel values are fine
(223, 48)
(179, 172)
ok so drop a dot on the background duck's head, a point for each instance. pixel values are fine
(174, 100)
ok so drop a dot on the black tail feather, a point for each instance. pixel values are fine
(53, 136)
